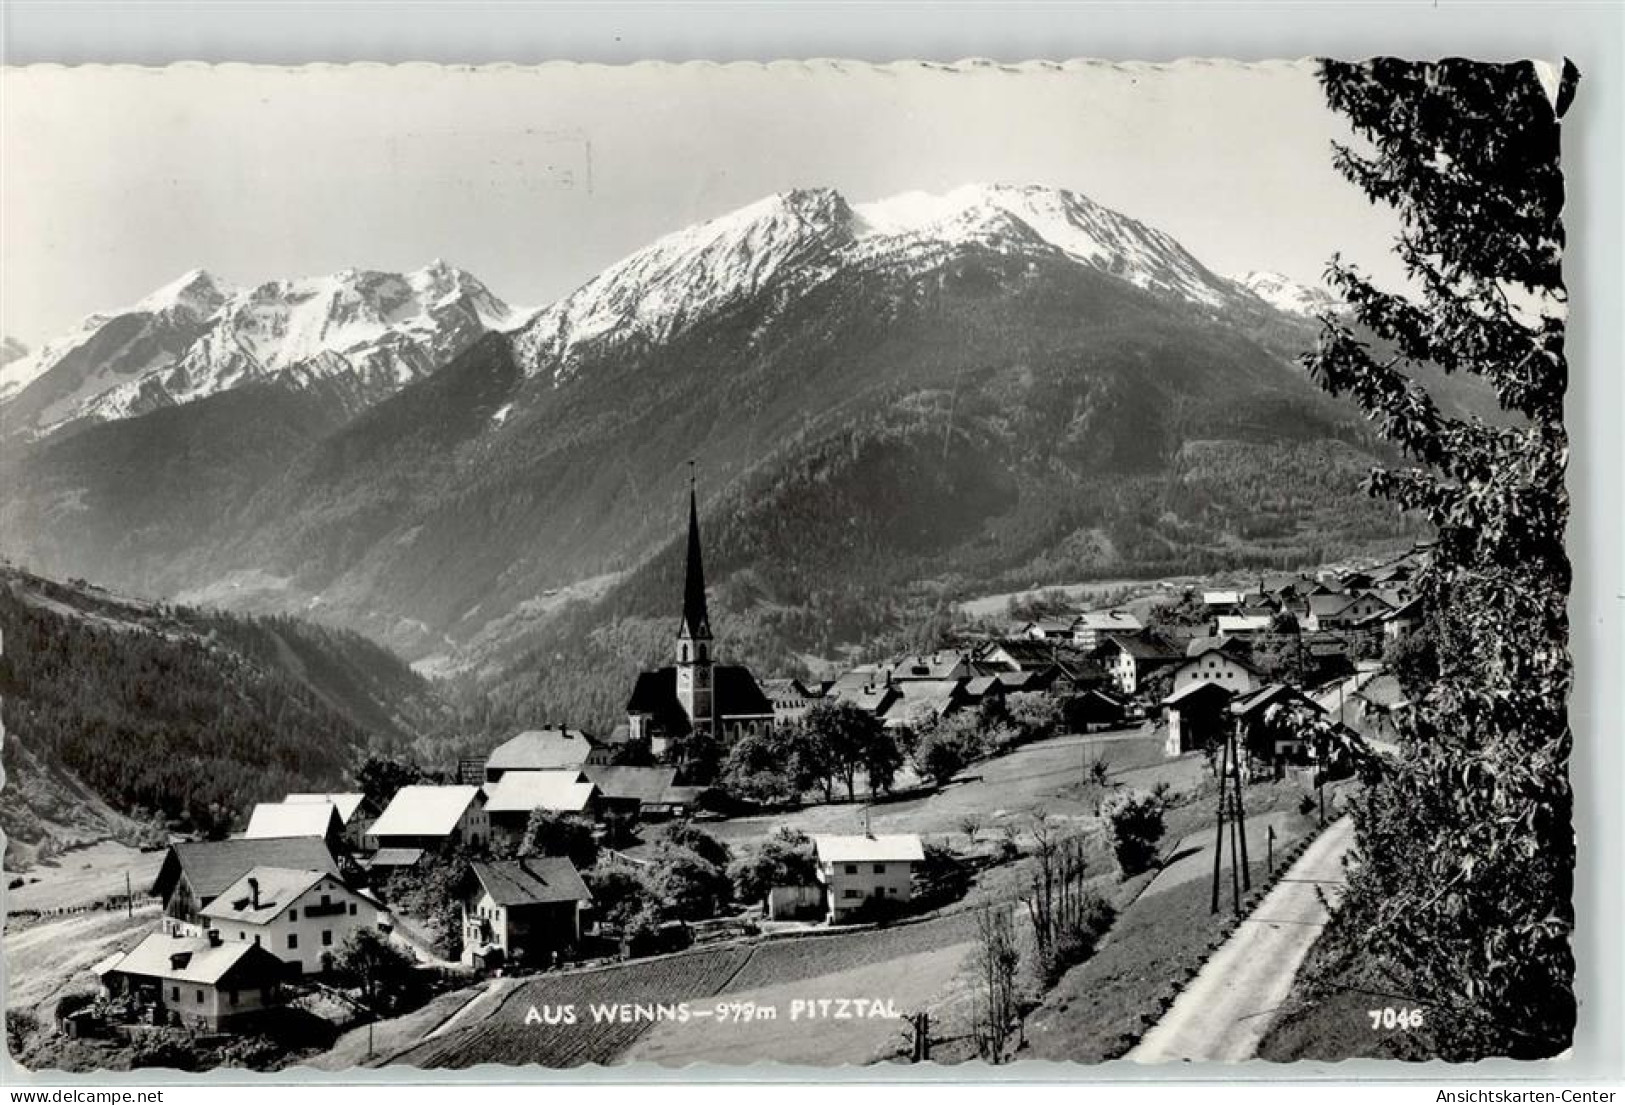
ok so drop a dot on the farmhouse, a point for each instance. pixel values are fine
(935, 667)
(1216, 661)
(696, 694)
(791, 699)
(299, 916)
(1342, 611)
(1088, 630)
(430, 816)
(858, 870)
(196, 980)
(1262, 736)
(1095, 709)
(521, 910)
(1130, 658)
(540, 750)
(1232, 624)
(1048, 629)
(195, 873)
(643, 791)
(281, 819)
(920, 701)
(1198, 716)
(510, 800)
(353, 809)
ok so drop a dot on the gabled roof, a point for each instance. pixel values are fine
(648, 785)
(211, 866)
(919, 697)
(346, 803)
(523, 791)
(420, 810)
(1244, 623)
(1106, 621)
(193, 959)
(541, 750)
(1221, 598)
(1146, 647)
(1025, 652)
(981, 685)
(1204, 688)
(534, 880)
(395, 857)
(279, 888)
(1201, 646)
(278, 819)
(905, 848)
(1250, 705)
(931, 666)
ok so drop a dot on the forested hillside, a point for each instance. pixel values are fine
(184, 717)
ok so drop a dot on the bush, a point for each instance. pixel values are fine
(1137, 827)
(69, 1004)
(785, 859)
(560, 834)
(1077, 941)
(942, 877)
(21, 1025)
(689, 886)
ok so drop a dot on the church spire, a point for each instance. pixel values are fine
(696, 619)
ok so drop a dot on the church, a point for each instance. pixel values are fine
(696, 694)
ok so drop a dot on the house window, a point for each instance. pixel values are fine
(326, 900)
(293, 940)
(231, 995)
(327, 938)
(851, 892)
(174, 993)
(352, 909)
(293, 915)
(200, 997)
(880, 868)
(851, 869)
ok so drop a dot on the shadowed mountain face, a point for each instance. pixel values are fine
(1009, 388)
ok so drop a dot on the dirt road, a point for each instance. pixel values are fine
(1227, 1008)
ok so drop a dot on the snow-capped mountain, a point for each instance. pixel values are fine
(799, 238)
(15, 363)
(368, 333)
(1288, 295)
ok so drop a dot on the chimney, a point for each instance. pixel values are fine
(254, 892)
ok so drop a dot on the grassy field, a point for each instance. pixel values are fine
(1163, 936)
(83, 877)
(1046, 775)
(46, 960)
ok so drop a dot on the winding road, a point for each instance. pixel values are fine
(1225, 1011)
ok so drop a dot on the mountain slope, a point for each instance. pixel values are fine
(357, 336)
(183, 715)
(999, 386)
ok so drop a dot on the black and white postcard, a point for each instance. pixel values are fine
(816, 563)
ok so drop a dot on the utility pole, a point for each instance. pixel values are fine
(1241, 811)
(1270, 863)
(1218, 838)
(129, 897)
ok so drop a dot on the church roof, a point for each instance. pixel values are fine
(734, 693)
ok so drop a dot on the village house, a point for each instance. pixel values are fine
(510, 800)
(935, 667)
(858, 870)
(1216, 660)
(1095, 709)
(867, 690)
(201, 981)
(921, 701)
(647, 792)
(791, 699)
(522, 910)
(1047, 629)
(1262, 736)
(1230, 625)
(1088, 630)
(195, 872)
(546, 749)
(355, 812)
(283, 819)
(696, 694)
(1342, 611)
(298, 916)
(1131, 658)
(422, 816)
(1402, 621)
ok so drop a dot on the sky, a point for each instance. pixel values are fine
(118, 179)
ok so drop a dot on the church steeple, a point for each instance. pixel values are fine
(694, 662)
(696, 619)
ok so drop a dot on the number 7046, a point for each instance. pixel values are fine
(1389, 1017)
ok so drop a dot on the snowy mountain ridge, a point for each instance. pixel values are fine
(1287, 295)
(800, 237)
(373, 332)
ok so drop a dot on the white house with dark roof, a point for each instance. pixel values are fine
(1089, 629)
(202, 981)
(423, 816)
(525, 909)
(298, 916)
(858, 870)
(553, 749)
